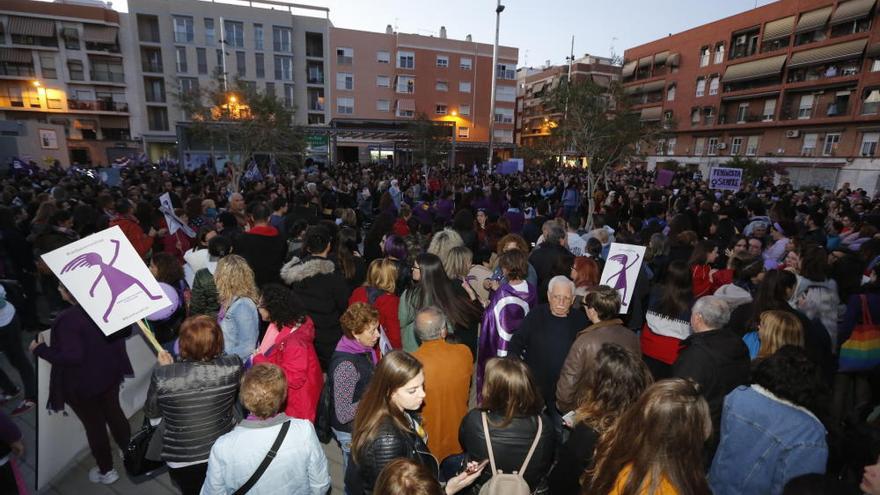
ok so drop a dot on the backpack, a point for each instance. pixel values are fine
(508, 484)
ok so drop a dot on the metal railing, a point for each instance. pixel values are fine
(98, 105)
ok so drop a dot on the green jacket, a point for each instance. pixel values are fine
(204, 300)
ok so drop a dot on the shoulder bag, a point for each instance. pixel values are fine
(270, 456)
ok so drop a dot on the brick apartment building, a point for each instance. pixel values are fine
(534, 120)
(382, 80)
(795, 82)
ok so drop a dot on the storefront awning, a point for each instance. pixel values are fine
(15, 55)
(651, 113)
(105, 35)
(754, 70)
(852, 10)
(812, 20)
(831, 53)
(29, 26)
(661, 58)
(779, 28)
(629, 68)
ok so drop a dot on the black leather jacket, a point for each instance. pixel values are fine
(389, 443)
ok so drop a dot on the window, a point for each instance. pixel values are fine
(465, 63)
(183, 29)
(670, 146)
(209, 31)
(344, 81)
(202, 60)
(735, 146)
(187, 85)
(871, 103)
(289, 96)
(406, 84)
(442, 61)
(220, 58)
(234, 32)
(464, 132)
(752, 145)
(442, 86)
(383, 57)
(157, 118)
(869, 143)
(75, 68)
(282, 39)
(769, 110)
(742, 112)
(47, 65)
(712, 148)
(695, 116)
(440, 109)
(719, 53)
(406, 60)
(315, 98)
(270, 89)
(832, 140)
(505, 71)
(383, 105)
(704, 56)
(401, 112)
(699, 146)
(284, 67)
(258, 37)
(151, 59)
(260, 64)
(315, 72)
(670, 93)
(315, 45)
(464, 110)
(805, 108)
(148, 29)
(464, 86)
(180, 57)
(383, 81)
(505, 93)
(345, 104)
(71, 36)
(240, 64)
(701, 86)
(503, 115)
(875, 65)
(809, 146)
(713, 85)
(709, 115)
(154, 90)
(344, 55)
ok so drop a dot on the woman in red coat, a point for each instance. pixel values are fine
(378, 291)
(289, 344)
(706, 279)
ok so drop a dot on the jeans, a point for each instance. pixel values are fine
(344, 440)
(10, 344)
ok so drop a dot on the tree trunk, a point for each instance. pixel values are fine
(591, 200)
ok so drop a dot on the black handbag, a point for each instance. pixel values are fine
(137, 465)
(322, 414)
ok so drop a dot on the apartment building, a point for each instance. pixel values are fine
(535, 120)
(381, 80)
(795, 82)
(179, 45)
(62, 81)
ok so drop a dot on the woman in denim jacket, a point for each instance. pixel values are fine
(238, 316)
(770, 431)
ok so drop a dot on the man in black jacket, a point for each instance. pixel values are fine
(551, 257)
(262, 246)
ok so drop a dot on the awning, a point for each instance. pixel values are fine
(673, 60)
(16, 56)
(105, 35)
(604, 81)
(779, 28)
(754, 70)
(69, 33)
(405, 105)
(840, 51)
(115, 122)
(651, 113)
(644, 88)
(852, 10)
(813, 20)
(645, 62)
(29, 26)
(629, 68)
(873, 50)
(660, 58)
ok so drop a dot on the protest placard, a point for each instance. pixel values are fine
(664, 177)
(174, 222)
(622, 271)
(725, 178)
(108, 279)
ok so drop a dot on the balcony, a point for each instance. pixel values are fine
(106, 76)
(819, 73)
(815, 112)
(315, 75)
(737, 118)
(98, 105)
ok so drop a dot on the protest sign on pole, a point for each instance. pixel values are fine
(108, 279)
(622, 271)
(725, 178)
(174, 222)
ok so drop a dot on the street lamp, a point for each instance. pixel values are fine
(498, 10)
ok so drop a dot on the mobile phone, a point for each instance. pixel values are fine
(473, 468)
(568, 418)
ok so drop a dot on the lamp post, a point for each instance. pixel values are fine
(498, 10)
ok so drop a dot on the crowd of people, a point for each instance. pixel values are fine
(450, 330)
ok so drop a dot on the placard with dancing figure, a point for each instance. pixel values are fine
(622, 271)
(108, 279)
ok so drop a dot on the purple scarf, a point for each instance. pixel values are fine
(352, 346)
(506, 310)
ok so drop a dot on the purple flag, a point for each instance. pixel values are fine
(664, 177)
(506, 311)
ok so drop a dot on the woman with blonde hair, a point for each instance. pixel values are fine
(442, 243)
(238, 296)
(656, 447)
(379, 292)
(776, 328)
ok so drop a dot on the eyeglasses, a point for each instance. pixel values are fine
(415, 267)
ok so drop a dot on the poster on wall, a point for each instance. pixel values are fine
(622, 271)
(48, 139)
(108, 279)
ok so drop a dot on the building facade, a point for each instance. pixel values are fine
(61, 69)
(795, 82)
(392, 76)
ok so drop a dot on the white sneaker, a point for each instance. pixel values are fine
(107, 478)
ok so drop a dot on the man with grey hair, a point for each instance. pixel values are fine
(713, 356)
(448, 368)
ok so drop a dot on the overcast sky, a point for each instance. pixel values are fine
(541, 29)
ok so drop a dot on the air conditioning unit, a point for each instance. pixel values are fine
(792, 134)
(722, 146)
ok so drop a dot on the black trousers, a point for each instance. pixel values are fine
(189, 479)
(98, 413)
(7, 479)
(11, 345)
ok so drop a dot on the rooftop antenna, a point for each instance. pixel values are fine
(526, 58)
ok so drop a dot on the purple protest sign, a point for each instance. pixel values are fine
(664, 177)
